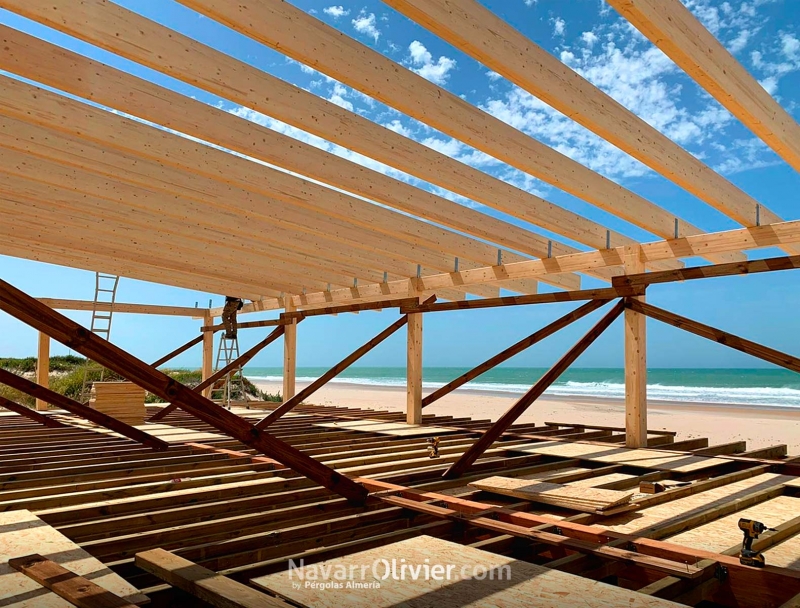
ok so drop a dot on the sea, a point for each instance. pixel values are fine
(749, 387)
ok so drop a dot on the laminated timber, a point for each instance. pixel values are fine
(219, 505)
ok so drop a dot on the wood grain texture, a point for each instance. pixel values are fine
(27, 412)
(635, 333)
(43, 367)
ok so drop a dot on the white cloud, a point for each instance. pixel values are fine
(398, 127)
(530, 2)
(338, 97)
(365, 24)
(790, 47)
(336, 11)
(559, 25)
(435, 71)
(589, 38)
(493, 76)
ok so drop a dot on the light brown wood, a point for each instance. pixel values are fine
(635, 362)
(289, 356)
(414, 368)
(670, 26)
(123, 307)
(486, 37)
(203, 583)
(43, 368)
(121, 400)
(207, 367)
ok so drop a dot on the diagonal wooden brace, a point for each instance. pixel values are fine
(13, 406)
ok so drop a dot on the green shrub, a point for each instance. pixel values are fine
(14, 395)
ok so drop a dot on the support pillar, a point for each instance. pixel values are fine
(208, 352)
(635, 361)
(289, 354)
(43, 367)
(414, 368)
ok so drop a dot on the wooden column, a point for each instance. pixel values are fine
(43, 368)
(208, 352)
(635, 361)
(289, 354)
(414, 366)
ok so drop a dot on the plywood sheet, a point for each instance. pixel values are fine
(648, 459)
(724, 533)
(786, 554)
(395, 429)
(22, 533)
(175, 434)
(689, 505)
(527, 585)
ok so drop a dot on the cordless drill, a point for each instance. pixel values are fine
(752, 529)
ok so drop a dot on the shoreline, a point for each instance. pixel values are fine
(760, 426)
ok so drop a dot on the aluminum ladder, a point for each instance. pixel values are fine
(224, 389)
(105, 295)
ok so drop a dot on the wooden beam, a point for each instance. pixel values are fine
(122, 307)
(672, 28)
(208, 355)
(414, 365)
(289, 355)
(73, 407)
(171, 355)
(484, 36)
(246, 325)
(704, 272)
(43, 368)
(344, 308)
(69, 333)
(77, 590)
(289, 404)
(230, 132)
(208, 382)
(717, 335)
(13, 406)
(635, 363)
(302, 37)
(216, 589)
(542, 298)
(507, 419)
(141, 40)
(514, 349)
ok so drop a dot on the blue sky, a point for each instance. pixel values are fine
(592, 39)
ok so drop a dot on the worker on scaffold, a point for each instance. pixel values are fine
(232, 306)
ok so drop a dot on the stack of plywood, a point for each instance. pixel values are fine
(121, 400)
(588, 500)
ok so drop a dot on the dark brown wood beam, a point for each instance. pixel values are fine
(178, 351)
(513, 350)
(247, 325)
(73, 407)
(716, 335)
(241, 361)
(13, 406)
(506, 420)
(705, 272)
(57, 326)
(606, 294)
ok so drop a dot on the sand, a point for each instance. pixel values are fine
(759, 426)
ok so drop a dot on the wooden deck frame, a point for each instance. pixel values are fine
(516, 410)
(514, 349)
(37, 315)
(13, 406)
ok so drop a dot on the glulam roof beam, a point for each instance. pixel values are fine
(304, 38)
(124, 307)
(129, 142)
(677, 32)
(53, 66)
(134, 37)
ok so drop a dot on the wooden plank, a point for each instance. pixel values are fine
(773, 452)
(123, 307)
(291, 402)
(514, 349)
(207, 365)
(22, 532)
(509, 417)
(203, 583)
(672, 27)
(394, 429)
(635, 333)
(717, 335)
(43, 368)
(703, 272)
(181, 349)
(345, 308)
(69, 333)
(486, 37)
(78, 409)
(722, 449)
(246, 325)
(27, 412)
(290, 354)
(75, 589)
(525, 584)
(414, 369)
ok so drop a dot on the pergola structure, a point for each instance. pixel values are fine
(105, 171)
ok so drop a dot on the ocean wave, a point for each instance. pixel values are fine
(765, 396)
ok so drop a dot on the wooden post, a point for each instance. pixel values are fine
(635, 361)
(208, 352)
(289, 353)
(414, 366)
(43, 368)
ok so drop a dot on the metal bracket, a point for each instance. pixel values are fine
(549, 249)
(499, 257)
(721, 573)
(676, 228)
(758, 214)
(419, 271)
(608, 239)
(385, 277)
(455, 266)
(355, 281)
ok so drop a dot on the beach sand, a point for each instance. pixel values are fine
(759, 426)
